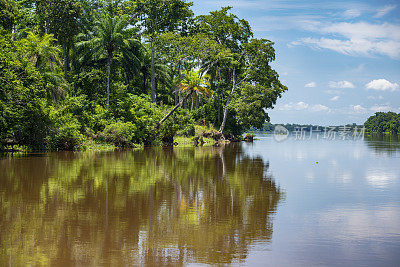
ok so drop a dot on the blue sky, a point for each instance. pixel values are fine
(339, 59)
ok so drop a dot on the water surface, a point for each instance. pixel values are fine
(292, 203)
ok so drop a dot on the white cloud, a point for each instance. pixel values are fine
(359, 109)
(303, 106)
(319, 107)
(351, 13)
(335, 98)
(333, 92)
(341, 84)
(362, 30)
(383, 11)
(360, 38)
(294, 106)
(382, 85)
(300, 106)
(310, 84)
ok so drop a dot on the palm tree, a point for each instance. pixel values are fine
(109, 35)
(193, 82)
(42, 53)
(45, 56)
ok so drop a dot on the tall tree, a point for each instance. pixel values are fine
(63, 23)
(8, 14)
(110, 34)
(225, 28)
(45, 56)
(159, 16)
(160, 69)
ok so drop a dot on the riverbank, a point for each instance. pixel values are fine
(203, 136)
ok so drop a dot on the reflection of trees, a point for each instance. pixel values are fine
(383, 143)
(144, 207)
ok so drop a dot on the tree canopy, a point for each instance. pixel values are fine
(383, 122)
(74, 71)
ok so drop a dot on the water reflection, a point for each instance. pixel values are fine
(383, 144)
(155, 207)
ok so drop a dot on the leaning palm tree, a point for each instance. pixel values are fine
(193, 82)
(109, 35)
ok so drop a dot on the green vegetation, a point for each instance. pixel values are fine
(383, 122)
(128, 73)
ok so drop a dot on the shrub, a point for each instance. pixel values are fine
(121, 134)
(99, 119)
(65, 134)
(188, 130)
(143, 114)
(180, 122)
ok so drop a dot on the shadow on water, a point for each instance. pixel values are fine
(147, 207)
(383, 144)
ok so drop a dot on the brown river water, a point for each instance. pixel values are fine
(292, 203)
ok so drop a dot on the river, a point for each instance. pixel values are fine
(289, 203)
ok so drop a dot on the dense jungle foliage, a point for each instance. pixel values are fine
(128, 72)
(383, 122)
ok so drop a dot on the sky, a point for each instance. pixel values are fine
(339, 59)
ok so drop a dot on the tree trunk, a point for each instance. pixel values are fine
(66, 60)
(191, 107)
(108, 79)
(177, 92)
(153, 75)
(218, 108)
(221, 129)
(144, 83)
(156, 86)
(175, 108)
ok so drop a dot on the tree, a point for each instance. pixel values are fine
(158, 16)
(110, 34)
(63, 23)
(383, 122)
(42, 53)
(160, 69)
(193, 82)
(245, 60)
(23, 116)
(226, 29)
(45, 56)
(8, 14)
(254, 65)
(183, 53)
